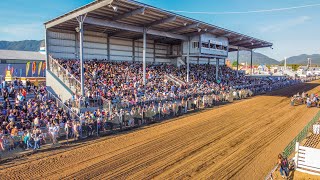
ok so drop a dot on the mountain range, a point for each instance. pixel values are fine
(26, 45)
(303, 59)
(257, 58)
(244, 56)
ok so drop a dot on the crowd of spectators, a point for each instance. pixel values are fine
(28, 116)
(31, 116)
(122, 82)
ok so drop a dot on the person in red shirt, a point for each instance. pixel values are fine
(24, 93)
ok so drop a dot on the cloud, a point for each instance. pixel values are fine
(14, 32)
(285, 25)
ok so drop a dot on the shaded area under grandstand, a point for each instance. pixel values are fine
(240, 140)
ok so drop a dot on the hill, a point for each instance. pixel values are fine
(303, 59)
(26, 45)
(258, 58)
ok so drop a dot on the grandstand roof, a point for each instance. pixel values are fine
(130, 18)
(21, 55)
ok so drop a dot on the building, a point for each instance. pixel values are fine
(18, 60)
(127, 30)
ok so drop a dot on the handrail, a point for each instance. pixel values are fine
(71, 78)
(177, 79)
(62, 104)
(172, 79)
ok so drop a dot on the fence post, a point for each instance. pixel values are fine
(67, 135)
(97, 128)
(296, 154)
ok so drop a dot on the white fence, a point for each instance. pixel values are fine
(307, 160)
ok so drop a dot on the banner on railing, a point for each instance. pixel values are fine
(34, 67)
(27, 68)
(39, 68)
(43, 66)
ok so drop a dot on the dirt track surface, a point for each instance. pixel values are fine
(238, 141)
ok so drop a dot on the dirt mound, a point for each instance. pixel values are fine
(240, 140)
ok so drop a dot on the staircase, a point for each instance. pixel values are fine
(180, 62)
(58, 80)
(69, 80)
(175, 79)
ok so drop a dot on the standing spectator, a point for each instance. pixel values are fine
(283, 165)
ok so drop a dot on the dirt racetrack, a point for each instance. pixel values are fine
(237, 141)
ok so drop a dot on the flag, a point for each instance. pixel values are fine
(43, 66)
(11, 70)
(16, 72)
(20, 72)
(34, 67)
(27, 68)
(39, 68)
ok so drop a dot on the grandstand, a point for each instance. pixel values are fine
(126, 30)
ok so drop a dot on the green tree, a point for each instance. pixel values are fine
(294, 66)
(234, 64)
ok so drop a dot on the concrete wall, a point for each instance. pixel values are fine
(57, 86)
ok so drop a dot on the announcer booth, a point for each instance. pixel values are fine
(126, 30)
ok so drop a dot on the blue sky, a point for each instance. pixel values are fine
(293, 32)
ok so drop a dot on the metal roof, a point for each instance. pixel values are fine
(21, 55)
(131, 17)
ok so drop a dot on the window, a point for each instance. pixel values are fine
(205, 44)
(195, 45)
(225, 48)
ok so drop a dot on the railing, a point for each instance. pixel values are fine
(176, 79)
(291, 146)
(66, 77)
(75, 85)
(172, 79)
(302, 135)
(63, 106)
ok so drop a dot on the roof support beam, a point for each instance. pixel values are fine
(162, 21)
(212, 31)
(235, 40)
(226, 35)
(117, 33)
(260, 46)
(116, 25)
(242, 42)
(77, 13)
(190, 26)
(240, 48)
(154, 23)
(128, 14)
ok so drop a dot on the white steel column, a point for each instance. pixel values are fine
(133, 51)
(81, 20)
(251, 63)
(188, 60)
(238, 62)
(47, 50)
(108, 47)
(144, 54)
(217, 68)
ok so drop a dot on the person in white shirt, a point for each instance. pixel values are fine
(54, 130)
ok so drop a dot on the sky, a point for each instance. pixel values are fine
(293, 32)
